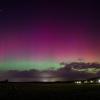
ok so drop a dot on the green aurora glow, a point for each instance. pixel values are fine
(28, 65)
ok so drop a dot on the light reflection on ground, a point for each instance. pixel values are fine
(45, 79)
(41, 77)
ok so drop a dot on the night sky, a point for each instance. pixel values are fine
(41, 34)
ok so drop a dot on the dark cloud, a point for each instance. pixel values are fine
(66, 73)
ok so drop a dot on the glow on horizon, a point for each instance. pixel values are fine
(28, 65)
(34, 64)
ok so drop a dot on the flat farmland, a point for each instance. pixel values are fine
(49, 90)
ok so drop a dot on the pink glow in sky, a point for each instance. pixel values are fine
(50, 40)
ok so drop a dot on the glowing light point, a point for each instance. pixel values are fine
(99, 81)
(91, 81)
(78, 82)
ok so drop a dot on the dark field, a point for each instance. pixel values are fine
(49, 91)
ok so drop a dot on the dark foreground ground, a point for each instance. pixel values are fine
(49, 91)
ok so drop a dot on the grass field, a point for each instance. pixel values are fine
(49, 90)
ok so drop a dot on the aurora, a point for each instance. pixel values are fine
(41, 36)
